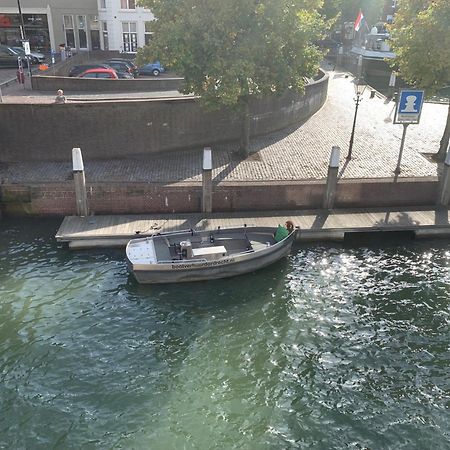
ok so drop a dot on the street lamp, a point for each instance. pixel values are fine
(360, 87)
(23, 35)
(22, 25)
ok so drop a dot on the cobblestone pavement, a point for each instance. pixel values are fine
(299, 153)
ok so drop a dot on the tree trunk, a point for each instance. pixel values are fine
(245, 129)
(440, 155)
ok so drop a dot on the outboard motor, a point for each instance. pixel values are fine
(186, 249)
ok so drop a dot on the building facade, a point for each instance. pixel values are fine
(124, 25)
(82, 25)
(51, 23)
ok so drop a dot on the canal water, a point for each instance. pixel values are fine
(337, 347)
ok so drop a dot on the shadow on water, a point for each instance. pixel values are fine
(375, 239)
(210, 294)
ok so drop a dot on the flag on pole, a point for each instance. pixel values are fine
(359, 20)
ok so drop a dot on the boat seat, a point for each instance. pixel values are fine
(235, 245)
(162, 250)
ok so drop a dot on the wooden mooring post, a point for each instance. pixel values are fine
(207, 181)
(333, 167)
(444, 185)
(80, 182)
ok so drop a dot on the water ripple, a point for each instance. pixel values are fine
(334, 348)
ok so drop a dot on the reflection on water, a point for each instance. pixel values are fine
(333, 348)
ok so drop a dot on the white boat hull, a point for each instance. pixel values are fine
(229, 265)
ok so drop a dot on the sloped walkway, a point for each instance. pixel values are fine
(299, 153)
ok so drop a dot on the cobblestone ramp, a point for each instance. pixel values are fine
(299, 153)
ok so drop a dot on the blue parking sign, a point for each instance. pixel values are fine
(409, 106)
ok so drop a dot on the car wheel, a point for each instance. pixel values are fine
(155, 72)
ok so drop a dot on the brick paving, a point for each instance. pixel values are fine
(299, 153)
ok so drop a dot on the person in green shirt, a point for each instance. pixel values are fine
(284, 232)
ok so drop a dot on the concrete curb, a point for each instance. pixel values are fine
(8, 82)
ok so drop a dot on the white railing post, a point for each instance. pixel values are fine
(80, 182)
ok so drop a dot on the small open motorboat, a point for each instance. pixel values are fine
(191, 255)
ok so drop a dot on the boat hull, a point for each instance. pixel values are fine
(229, 266)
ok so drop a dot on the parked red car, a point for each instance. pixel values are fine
(99, 73)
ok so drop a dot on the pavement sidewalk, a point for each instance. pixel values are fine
(299, 153)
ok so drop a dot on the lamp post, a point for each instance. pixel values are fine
(360, 87)
(23, 35)
(22, 25)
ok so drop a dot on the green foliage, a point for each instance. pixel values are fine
(347, 10)
(421, 40)
(228, 50)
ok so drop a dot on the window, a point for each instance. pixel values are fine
(82, 36)
(94, 26)
(127, 4)
(148, 32)
(129, 36)
(69, 31)
(105, 36)
(102, 4)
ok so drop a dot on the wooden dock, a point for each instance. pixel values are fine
(116, 231)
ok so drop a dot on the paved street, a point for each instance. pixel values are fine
(7, 74)
(299, 153)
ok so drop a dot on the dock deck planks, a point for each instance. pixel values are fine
(105, 230)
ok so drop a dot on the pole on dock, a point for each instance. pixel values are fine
(402, 145)
(80, 182)
(207, 181)
(333, 167)
(444, 187)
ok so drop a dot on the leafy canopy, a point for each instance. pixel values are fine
(421, 40)
(347, 10)
(228, 50)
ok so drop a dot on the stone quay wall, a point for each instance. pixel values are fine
(105, 130)
(74, 84)
(58, 199)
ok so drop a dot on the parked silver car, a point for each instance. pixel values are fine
(35, 57)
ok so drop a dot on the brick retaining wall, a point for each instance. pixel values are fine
(104, 130)
(58, 199)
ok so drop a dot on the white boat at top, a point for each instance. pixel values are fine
(191, 255)
(375, 47)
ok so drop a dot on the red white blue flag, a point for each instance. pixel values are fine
(359, 20)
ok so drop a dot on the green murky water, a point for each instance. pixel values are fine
(333, 348)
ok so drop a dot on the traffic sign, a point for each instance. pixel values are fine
(409, 106)
(26, 47)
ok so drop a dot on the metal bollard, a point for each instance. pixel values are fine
(207, 181)
(333, 167)
(444, 187)
(80, 182)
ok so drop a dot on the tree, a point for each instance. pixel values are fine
(421, 40)
(347, 10)
(229, 51)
